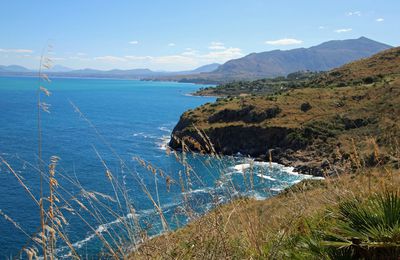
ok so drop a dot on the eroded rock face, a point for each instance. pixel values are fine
(248, 140)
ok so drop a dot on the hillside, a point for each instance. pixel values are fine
(312, 129)
(322, 57)
(260, 86)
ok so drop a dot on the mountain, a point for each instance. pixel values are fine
(206, 68)
(322, 57)
(59, 68)
(61, 71)
(13, 68)
(202, 69)
(115, 73)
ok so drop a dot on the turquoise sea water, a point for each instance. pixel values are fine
(128, 120)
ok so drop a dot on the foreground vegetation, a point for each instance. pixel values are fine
(354, 216)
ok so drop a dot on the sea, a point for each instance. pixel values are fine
(117, 183)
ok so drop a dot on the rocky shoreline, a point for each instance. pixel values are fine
(263, 144)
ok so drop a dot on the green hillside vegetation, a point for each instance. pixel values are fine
(265, 86)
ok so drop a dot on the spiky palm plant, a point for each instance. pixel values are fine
(367, 229)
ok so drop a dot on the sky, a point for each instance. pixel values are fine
(172, 35)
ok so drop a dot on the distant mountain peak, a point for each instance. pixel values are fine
(325, 56)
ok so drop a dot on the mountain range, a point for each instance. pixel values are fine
(322, 57)
(61, 71)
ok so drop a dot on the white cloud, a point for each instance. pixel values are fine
(217, 46)
(380, 20)
(344, 30)
(321, 27)
(134, 42)
(286, 41)
(81, 54)
(80, 58)
(110, 58)
(174, 59)
(171, 44)
(355, 13)
(16, 51)
(190, 52)
(223, 55)
(138, 58)
(57, 58)
(187, 59)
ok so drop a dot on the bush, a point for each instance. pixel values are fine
(305, 107)
(360, 229)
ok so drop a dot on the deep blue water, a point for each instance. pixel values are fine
(128, 119)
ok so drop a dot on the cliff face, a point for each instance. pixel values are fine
(253, 140)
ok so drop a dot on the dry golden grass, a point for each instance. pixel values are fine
(326, 103)
(384, 64)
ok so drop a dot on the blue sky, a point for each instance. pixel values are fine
(181, 34)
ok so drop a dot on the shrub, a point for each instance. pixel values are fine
(305, 107)
(360, 229)
(371, 229)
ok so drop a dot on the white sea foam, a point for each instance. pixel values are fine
(141, 134)
(203, 190)
(164, 129)
(286, 169)
(265, 177)
(241, 167)
(257, 196)
(244, 166)
(163, 142)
